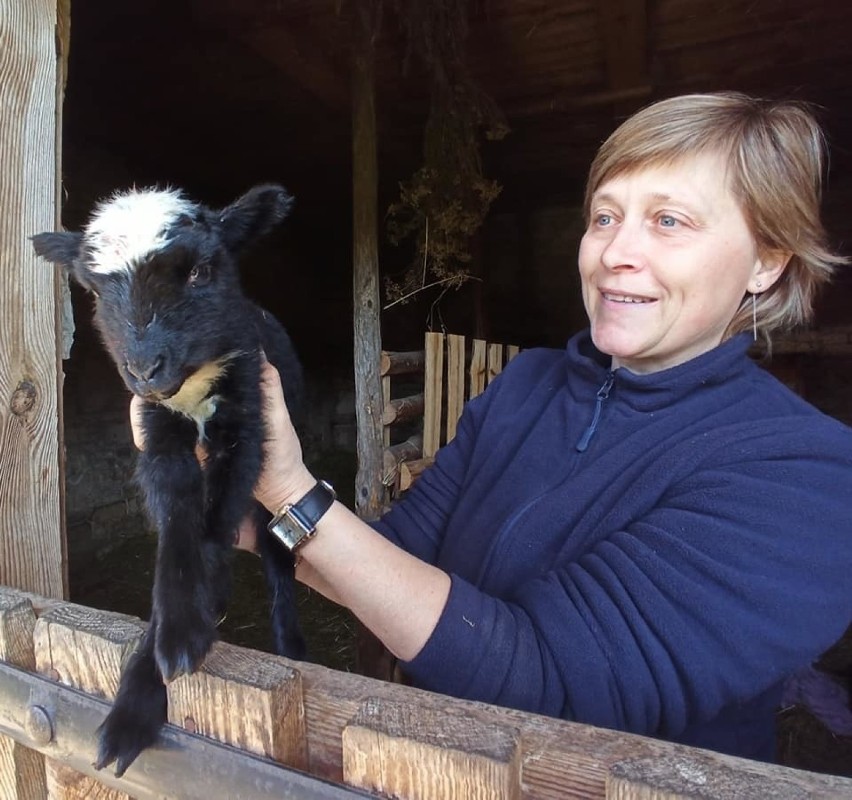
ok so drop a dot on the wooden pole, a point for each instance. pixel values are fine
(32, 554)
(369, 491)
(370, 494)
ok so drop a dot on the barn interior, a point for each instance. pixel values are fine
(214, 96)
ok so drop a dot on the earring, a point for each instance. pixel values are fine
(758, 285)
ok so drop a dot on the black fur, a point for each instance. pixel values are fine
(175, 310)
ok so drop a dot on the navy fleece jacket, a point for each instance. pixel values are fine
(664, 579)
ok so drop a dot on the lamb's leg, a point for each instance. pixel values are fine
(183, 598)
(139, 711)
(279, 570)
(235, 452)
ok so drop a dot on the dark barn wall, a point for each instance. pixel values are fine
(166, 104)
(176, 104)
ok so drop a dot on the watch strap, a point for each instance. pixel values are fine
(295, 523)
(309, 510)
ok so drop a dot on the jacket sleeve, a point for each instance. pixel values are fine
(417, 522)
(737, 577)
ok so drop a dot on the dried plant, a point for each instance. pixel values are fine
(445, 202)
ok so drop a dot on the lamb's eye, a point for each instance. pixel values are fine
(199, 275)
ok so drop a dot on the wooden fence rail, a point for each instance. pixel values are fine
(450, 372)
(307, 731)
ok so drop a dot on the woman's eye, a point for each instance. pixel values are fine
(603, 220)
(667, 221)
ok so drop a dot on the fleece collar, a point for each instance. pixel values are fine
(656, 390)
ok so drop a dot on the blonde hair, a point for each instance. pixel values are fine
(775, 155)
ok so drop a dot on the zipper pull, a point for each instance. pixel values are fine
(601, 396)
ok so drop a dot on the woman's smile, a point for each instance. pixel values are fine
(665, 262)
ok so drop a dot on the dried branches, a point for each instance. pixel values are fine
(446, 201)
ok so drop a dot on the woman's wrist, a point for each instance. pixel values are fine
(286, 492)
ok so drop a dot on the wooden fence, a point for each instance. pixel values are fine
(291, 729)
(448, 372)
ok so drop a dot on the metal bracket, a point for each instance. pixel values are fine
(60, 722)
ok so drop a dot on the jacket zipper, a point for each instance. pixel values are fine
(601, 397)
(497, 544)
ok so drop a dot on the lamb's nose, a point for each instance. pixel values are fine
(144, 371)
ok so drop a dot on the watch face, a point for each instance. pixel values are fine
(287, 532)
(299, 521)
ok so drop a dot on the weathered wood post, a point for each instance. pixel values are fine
(370, 496)
(32, 551)
(369, 491)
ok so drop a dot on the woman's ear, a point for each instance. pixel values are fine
(768, 269)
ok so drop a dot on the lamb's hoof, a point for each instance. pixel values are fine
(129, 729)
(180, 647)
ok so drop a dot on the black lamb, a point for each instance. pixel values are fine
(169, 307)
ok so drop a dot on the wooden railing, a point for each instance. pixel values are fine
(449, 372)
(254, 725)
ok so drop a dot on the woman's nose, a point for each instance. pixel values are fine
(624, 248)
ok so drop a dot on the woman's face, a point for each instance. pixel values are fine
(665, 262)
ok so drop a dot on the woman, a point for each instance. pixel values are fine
(645, 531)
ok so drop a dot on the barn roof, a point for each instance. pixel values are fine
(254, 87)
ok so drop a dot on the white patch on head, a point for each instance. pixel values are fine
(131, 225)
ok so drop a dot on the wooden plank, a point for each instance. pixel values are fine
(623, 26)
(253, 704)
(432, 390)
(400, 750)
(370, 495)
(403, 409)
(834, 341)
(394, 455)
(386, 396)
(455, 382)
(495, 361)
(66, 312)
(31, 547)
(83, 649)
(511, 351)
(301, 62)
(402, 362)
(559, 759)
(477, 368)
(410, 471)
(694, 777)
(22, 775)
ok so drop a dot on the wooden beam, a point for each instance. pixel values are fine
(302, 62)
(32, 554)
(22, 774)
(369, 491)
(388, 744)
(284, 41)
(554, 758)
(402, 363)
(623, 26)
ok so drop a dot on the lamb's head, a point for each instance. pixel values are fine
(164, 271)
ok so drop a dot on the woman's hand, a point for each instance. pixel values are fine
(284, 478)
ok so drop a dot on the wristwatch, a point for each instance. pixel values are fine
(294, 524)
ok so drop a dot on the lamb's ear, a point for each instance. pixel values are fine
(253, 215)
(58, 248)
(63, 249)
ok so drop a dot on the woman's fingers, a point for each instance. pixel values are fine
(247, 535)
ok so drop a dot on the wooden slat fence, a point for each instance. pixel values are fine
(344, 734)
(448, 372)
